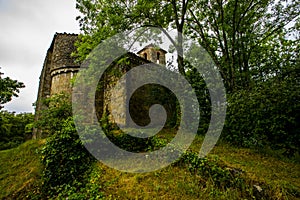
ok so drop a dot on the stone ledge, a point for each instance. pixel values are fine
(64, 69)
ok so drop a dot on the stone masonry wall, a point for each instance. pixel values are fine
(60, 68)
(115, 99)
(63, 67)
(153, 54)
(62, 50)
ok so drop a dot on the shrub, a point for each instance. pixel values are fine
(64, 158)
(213, 169)
(57, 108)
(268, 114)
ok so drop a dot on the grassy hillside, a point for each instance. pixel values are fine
(20, 170)
(277, 177)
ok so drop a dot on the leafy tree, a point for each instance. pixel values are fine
(102, 19)
(14, 128)
(279, 59)
(233, 32)
(8, 89)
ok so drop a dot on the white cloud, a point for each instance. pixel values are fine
(26, 31)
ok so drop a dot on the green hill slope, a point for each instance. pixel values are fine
(20, 170)
(259, 177)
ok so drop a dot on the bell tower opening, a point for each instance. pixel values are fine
(158, 55)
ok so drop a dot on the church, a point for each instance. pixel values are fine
(60, 68)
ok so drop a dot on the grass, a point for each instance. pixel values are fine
(168, 183)
(269, 165)
(284, 175)
(19, 170)
(279, 178)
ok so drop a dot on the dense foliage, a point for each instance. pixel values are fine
(51, 119)
(267, 114)
(203, 97)
(14, 128)
(236, 34)
(66, 162)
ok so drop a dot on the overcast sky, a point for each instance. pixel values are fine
(27, 28)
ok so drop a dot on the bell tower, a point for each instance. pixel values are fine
(153, 54)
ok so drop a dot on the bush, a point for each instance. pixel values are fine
(213, 169)
(64, 158)
(66, 161)
(57, 108)
(91, 189)
(268, 114)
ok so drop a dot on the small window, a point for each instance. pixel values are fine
(158, 55)
(145, 56)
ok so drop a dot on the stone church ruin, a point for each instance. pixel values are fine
(60, 68)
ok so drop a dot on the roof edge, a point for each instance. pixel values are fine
(151, 46)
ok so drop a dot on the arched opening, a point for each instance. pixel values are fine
(145, 56)
(158, 57)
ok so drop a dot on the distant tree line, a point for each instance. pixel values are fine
(14, 128)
